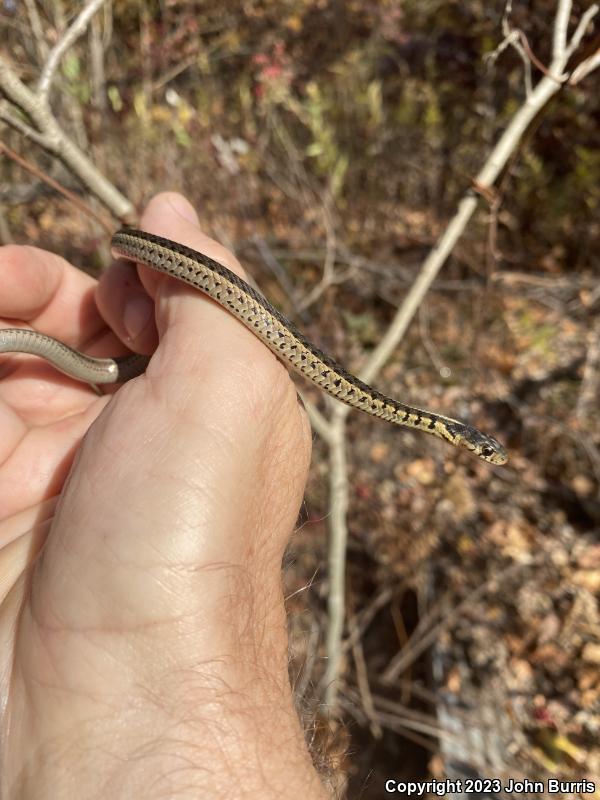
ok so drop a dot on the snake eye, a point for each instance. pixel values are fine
(487, 451)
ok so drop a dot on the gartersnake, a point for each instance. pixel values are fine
(271, 327)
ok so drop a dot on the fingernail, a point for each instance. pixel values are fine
(137, 315)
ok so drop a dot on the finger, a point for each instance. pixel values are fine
(201, 341)
(49, 294)
(199, 319)
(121, 298)
(171, 215)
(127, 308)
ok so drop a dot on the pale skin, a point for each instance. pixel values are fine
(143, 641)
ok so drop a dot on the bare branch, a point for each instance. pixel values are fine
(59, 16)
(585, 20)
(561, 26)
(16, 91)
(506, 26)
(51, 136)
(21, 126)
(71, 35)
(584, 69)
(526, 65)
(317, 420)
(312, 649)
(280, 274)
(37, 29)
(401, 719)
(512, 39)
(366, 616)
(495, 163)
(362, 679)
(97, 66)
(338, 490)
(107, 25)
(173, 72)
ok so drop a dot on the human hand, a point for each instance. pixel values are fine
(142, 628)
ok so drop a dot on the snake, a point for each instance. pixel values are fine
(267, 323)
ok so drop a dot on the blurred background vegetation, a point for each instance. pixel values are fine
(328, 143)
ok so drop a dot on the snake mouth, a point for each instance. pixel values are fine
(480, 444)
(491, 450)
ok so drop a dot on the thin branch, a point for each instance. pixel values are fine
(22, 127)
(72, 198)
(409, 654)
(388, 721)
(383, 703)
(279, 272)
(16, 91)
(107, 25)
(59, 16)
(362, 680)
(580, 30)
(561, 26)
(328, 276)
(398, 717)
(512, 38)
(366, 616)
(339, 497)
(37, 30)
(97, 71)
(526, 59)
(318, 421)
(534, 59)
(67, 39)
(312, 650)
(173, 72)
(584, 69)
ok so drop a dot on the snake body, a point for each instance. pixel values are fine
(266, 322)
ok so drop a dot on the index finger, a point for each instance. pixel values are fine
(47, 293)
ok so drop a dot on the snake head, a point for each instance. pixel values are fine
(481, 444)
